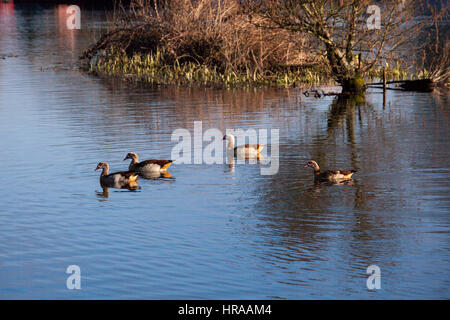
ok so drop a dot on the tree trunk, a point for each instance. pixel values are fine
(353, 85)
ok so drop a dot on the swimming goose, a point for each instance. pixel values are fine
(329, 175)
(246, 151)
(117, 179)
(146, 165)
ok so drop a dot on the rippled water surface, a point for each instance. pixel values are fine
(209, 231)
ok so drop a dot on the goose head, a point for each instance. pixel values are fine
(104, 166)
(228, 137)
(312, 164)
(133, 156)
(101, 165)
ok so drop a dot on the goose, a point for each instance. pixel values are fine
(146, 165)
(245, 151)
(329, 175)
(117, 179)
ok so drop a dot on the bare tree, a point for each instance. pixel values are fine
(435, 53)
(355, 35)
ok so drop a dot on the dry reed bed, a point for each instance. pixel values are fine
(203, 42)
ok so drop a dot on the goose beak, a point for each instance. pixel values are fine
(97, 168)
(127, 157)
(306, 166)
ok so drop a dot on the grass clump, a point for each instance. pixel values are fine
(155, 68)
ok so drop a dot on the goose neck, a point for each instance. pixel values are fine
(135, 159)
(230, 139)
(315, 167)
(105, 171)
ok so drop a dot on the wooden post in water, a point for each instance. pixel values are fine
(384, 87)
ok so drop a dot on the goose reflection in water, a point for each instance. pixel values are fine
(131, 186)
(240, 159)
(321, 184)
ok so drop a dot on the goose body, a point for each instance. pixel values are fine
(155, 174)
(116, 179)
(244, 151)
(329, 175)
(146, 166)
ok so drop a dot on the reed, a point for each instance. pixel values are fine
(156, 68)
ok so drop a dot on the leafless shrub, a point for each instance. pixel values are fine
(214, 33)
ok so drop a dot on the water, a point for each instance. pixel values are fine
(209, 231)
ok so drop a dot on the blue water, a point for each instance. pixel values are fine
(209, 231)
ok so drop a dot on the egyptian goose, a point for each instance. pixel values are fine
(117, 179)
(245, 151)
(146, 165)
(329, 175)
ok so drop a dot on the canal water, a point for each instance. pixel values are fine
(209, 231)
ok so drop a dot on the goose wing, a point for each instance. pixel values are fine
(338, 174)
(164, 164)
(347, 172)
(257, 147)
(125, 174)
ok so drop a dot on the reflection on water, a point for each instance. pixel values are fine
(105, 189)
(210, 231)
